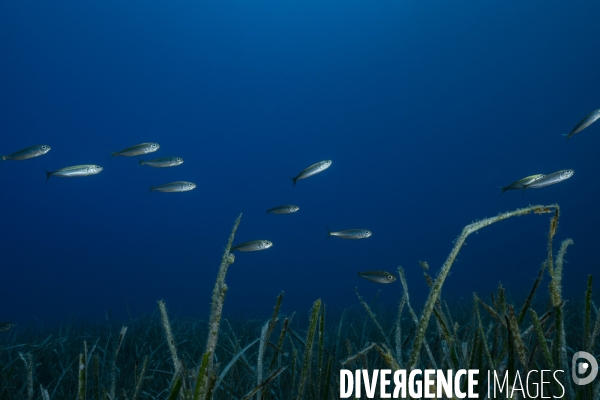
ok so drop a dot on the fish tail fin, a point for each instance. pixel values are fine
(113, 154)
(502, 190)
(151, 189)
(294, 181)
(141, 163)
(567, 135)
(48, 175)
(328, 232)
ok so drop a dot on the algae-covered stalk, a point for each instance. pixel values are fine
(518, 344)
(264, 340)
(113, 374)
(413, 315)
(218, 299)
(542, 339)
(482, 334)
(555, 287)
(200, 379)
(399, 331)
(278, 349)
(443, 274)
(261, 352)
(164, 318)
(28, 360)
(140, 381)
(310, 337)
(321, 343)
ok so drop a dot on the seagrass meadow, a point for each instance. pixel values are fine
(299, 356)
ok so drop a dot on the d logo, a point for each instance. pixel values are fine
(589, 366)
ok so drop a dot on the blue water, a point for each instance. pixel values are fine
(425, 109)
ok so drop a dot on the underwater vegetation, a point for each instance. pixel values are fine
(299, 357)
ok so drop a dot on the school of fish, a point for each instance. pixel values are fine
(382, 277)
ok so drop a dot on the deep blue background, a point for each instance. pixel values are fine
(424, 108)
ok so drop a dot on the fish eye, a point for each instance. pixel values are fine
(390, 277)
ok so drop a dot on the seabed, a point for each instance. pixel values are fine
(288, 357)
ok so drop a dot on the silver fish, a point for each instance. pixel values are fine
(163, 162)
(138, 149)
(585, 122)
(173, 187)
(351, 233)
(30, 152)
(377, 276)
(75, 171)
(551, 179)
(287, 209)
(521, 183)
(254, 245)
(313, 170)
(6, 326)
